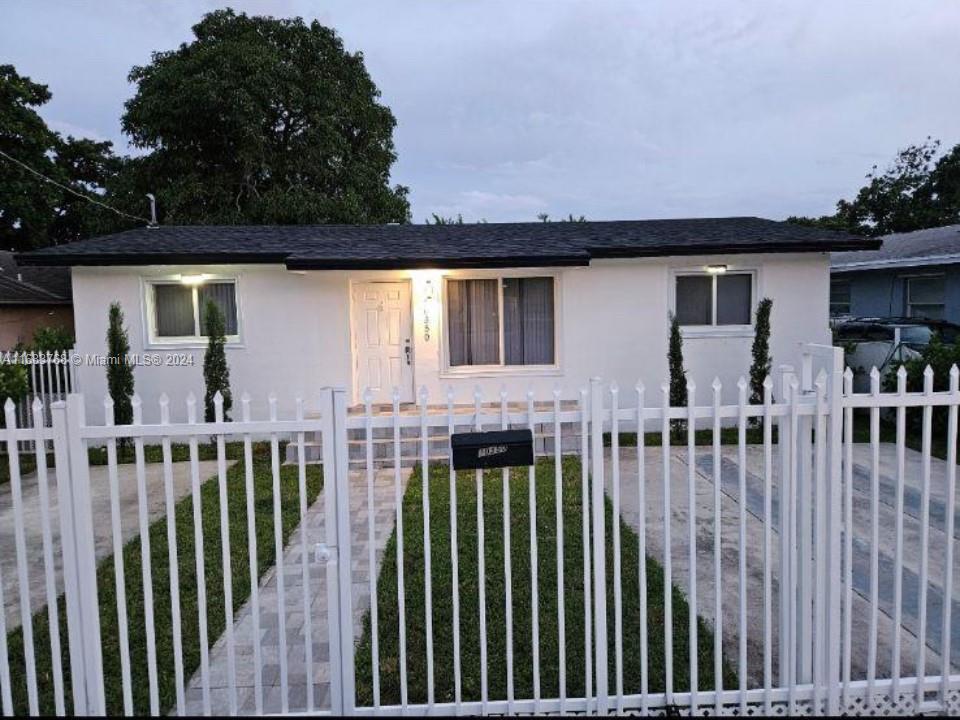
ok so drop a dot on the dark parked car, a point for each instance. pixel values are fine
(884, 343)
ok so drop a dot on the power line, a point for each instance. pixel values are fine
(73, 191)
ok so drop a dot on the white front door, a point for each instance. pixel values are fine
(383, 340)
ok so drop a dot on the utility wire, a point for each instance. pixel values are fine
(72, 191)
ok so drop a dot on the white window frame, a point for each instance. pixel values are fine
(714, 330)
(931, 276)
(152, 340)
(501, 368)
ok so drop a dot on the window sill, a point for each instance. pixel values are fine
(733, 331)
(501, 371)
(188, 344)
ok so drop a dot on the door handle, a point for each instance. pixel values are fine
(408, 350)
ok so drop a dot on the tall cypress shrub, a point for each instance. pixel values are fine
(762, 362)
(678, 376)
(119, 369)
(216, 374)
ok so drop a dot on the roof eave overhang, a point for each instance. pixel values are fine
(294, 262)
(45, 303)
(895, 263)
(307, 263)
(118, 259)
(734, 249)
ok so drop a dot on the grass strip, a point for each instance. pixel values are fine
(468, 583)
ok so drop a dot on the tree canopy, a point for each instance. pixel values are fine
(920, 189)
(261, 120)
(33, 212)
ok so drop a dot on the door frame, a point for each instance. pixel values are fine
(355, 351)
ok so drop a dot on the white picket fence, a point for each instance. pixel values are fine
(800, 521)
(51, 376)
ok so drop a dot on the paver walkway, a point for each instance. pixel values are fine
(102, 527)
(730, 529)
(313, 526)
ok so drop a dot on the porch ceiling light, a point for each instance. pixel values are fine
(193, 279)
(716, 269)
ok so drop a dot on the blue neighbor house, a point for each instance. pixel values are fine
(915, 274)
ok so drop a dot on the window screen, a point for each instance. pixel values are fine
(473, 322)
(695, 299)
(528, 330)
(733, 299)
(173, 306)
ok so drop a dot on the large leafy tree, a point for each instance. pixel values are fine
(34, 212)
(920, 189)
(261, 120)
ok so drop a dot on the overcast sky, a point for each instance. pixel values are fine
(613, 110)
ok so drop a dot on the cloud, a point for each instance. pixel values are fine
(613, 110)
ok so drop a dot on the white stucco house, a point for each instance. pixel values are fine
(521, 305)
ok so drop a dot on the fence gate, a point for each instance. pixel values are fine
(231, 527)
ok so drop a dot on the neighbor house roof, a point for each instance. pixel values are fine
(32, 285)
(339, 247)
(934, 246)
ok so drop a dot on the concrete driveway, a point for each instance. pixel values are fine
(730, 590)
(102, 526)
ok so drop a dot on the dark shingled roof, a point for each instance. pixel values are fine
(33, 285)
(920, 247)
(340, 247)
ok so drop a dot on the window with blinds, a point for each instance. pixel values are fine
(178, 311)
(721, 299)
(501, 321)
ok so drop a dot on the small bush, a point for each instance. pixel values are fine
(762, 362)
(941, 357)
(51, 339)
(14, 384)
(216, 374)
(119, 369)
(678, 376)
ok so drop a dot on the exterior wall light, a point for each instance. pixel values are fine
(193, 279)
(716, 269)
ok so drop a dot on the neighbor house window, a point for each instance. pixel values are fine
(714, 299)
(839, 297)
(925, 297)
(505, 321)
(178, 308)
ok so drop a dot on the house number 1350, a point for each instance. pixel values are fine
(426, 326)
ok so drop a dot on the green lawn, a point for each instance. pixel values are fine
(179, 452)
(522, 615)
(263, 486)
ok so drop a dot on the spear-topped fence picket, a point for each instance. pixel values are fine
(777, 558)
(50, 376)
